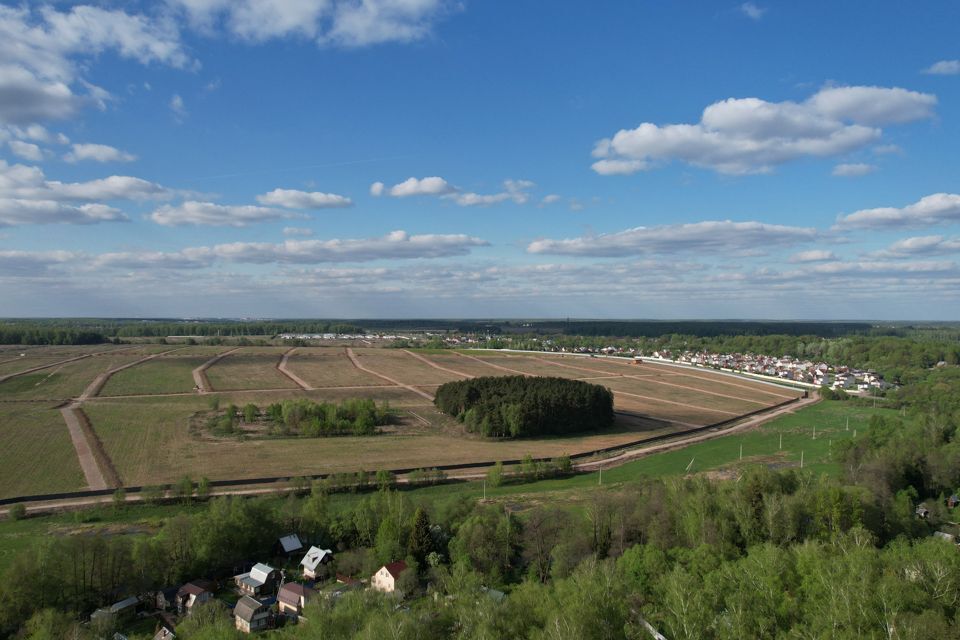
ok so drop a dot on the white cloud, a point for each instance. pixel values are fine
(38, 47)
(814, 255)
(852, 170)
(752, 11)
(32, 262)
(297, 231)
(709, 236)
(395, 245)
(749, 135)
(178, 108)
(293, 199)
(190, 258)
(98, 153)
(24, 182)
(346, 23)
(920, 245)
(432, 186)
(208, 213)
(513, 191)
(26, 150)
(18, 211)
(935, 209)
(549, 199)
(944, 68)
(885, 149)
(376, 189)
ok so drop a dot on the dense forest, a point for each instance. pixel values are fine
(520, 406)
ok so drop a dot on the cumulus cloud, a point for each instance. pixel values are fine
(549, 199)
(297, 231)
(709, 236)
(24, 182)
(752, 11)
(18, 212)
(190, 258)
(376, 189)
(935, 209)
(395, 245)
(432, 186)
(944, 68)
(920, 245)
(513, 191)
(26, 150)
(344, 23)
(39, 76)
(815, 255)
(293, 199)
(749, 135)
(97, 153)
(853, 170)
(192, 212)
(178, 107)
(31, 262)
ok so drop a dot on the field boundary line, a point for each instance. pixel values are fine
(200, 373)
(437, 366)
(282, 368)
(6, 377)
(95, 387)
(356, 363)
(680, 404)
(496, 366)
(669, 384)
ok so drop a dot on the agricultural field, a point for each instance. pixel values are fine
(38, 456)
(145, 416)
(250, 368)
(329, 367)
(171, 373)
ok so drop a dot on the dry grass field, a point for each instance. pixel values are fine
(143, 414)
(329, 367)
(38, 456)
(250, 368)
(403, 367)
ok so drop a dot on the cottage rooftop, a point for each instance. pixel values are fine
(246, 608)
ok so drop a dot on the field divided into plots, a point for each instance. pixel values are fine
(143, 414)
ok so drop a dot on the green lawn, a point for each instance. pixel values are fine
(38, 456)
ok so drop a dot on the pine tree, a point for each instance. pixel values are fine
(421, 543)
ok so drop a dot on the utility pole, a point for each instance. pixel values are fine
(801, 459)
(741, 451)
(814, 432)
(600, 478)
(781, 440)
(484, 490)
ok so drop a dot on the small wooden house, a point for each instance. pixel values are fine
(260, 580)
(315, 561)
(293, 597)
(251, 615)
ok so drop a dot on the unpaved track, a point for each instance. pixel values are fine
(282, 368)
(356, 363)
(200, 373)
(54, 364)
(437, 366)
(496, 366)
(88, 463)
(669, 384)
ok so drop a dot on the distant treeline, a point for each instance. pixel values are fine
(519, 406)
(93, 330)
(706, 328)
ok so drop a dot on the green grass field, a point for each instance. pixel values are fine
(166, 374)
(38, 456)
(250, 368)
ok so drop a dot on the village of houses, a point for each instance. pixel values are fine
(262, 598)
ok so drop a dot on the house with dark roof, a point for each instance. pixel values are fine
(293, 597)
(260, 580)
(385, 579)
(251, 615)
(314, 561)
(192, 594)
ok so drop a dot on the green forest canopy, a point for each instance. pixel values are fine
(520, 406)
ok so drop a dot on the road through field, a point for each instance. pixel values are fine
(6, 377)
(356, 363)
(282, 368)
(88, 463)
(94, 388)
(495, 366)
(200, 375)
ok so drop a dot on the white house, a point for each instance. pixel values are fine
(260, 580)
(313, 562)
(385, 579)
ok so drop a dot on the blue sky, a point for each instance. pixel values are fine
(427, 158)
